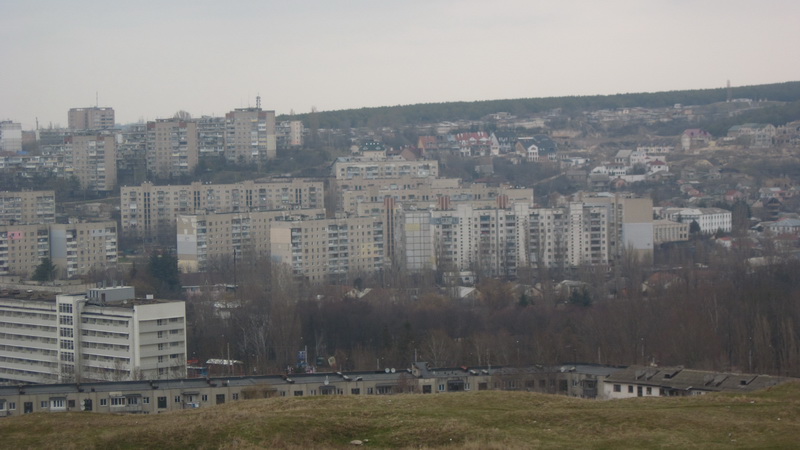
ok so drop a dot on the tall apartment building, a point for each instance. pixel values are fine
(105, 334)
(346, 168)
(489, 240)
(630, 224)
(92, 118)
(27, 207)
(93, 160)
(211, 136)
(10, 136)
(203, 238)
(147, 210)
(290, 134)
(75, 249)
(132, 150)
(172, 147)
(320, 249)
(250, 135)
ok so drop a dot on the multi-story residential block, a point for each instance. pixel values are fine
(290, 134)
(92, 118)
(759, 135)
(211, 136)
(347, 168)
(131, 150)
(10, 136)
(320, 249)
(75, 249)
(250, 135)
(172, 147)
(204, 238)
(428, 192)
(710, 220)
(148, 210)
(93, 160)
(27, 207)
(630, 224)
(106, 334)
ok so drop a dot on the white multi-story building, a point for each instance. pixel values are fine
(10, 136)
(710, 220)
(290, 134)
(105, 334)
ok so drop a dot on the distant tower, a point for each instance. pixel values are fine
(729, 91)
(258, 101)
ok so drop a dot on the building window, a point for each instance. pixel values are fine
(162, 402)
(630, 389)
(235, 396)
(146, 400)
(298, 393)
(649, 391)
(204, 397)
(12, 406)
(43, 404)
(441, 388)
(103, 402)
(617, 388)
(355, 391)
(369, 390)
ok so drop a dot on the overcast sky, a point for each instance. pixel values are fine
(149, 59)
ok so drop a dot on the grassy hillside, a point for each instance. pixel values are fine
(767, 419)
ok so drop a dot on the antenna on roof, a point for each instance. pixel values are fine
(258, 101)
(96, 99)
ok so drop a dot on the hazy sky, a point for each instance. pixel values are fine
(149, 59)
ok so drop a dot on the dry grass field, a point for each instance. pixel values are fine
(473, 420)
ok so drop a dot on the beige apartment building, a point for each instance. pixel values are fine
(204, 239)
(92, 118)
(75, 249)
(93, 160)
(172, 147)
(250, 135)
(347, 168)
(669, 231)
(429, 193)
(149, 210)
(25, 207)
(320, 249)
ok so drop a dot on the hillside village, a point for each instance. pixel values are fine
(280, 235)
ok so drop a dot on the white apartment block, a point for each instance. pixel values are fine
(93, 160)
(346, 168)
(75, 249)
(104, 335)
(27, 207)
(172, 147)
(10, 136)
(92, 118)
(319, 249)
(204, 238)
(148, 210)
(250, 135)
(710, 219)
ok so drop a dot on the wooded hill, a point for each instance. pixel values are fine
(427, 113)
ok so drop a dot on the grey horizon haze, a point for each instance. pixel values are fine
(148, 59)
